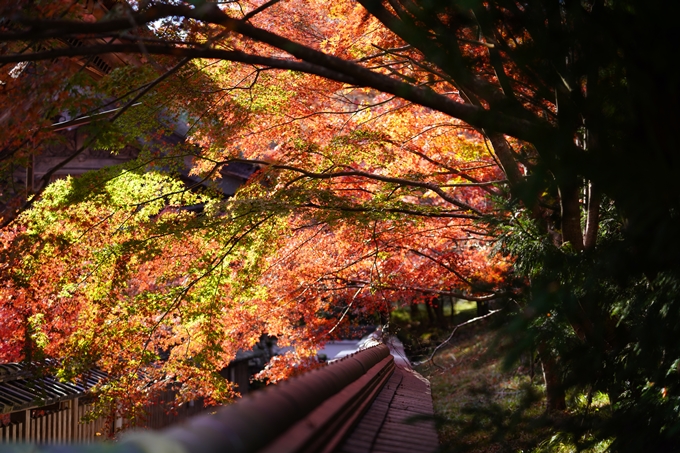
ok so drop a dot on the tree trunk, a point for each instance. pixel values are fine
(507, 160)
(554, 391)
(438, 308)
(430, 313)
(453, 307)
(571, 216)
(415, 312)
(593, 219)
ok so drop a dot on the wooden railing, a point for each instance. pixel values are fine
(311, 413)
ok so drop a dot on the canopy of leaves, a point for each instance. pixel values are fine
(397, 141)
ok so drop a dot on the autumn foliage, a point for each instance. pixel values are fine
(362, 202)
(404, 149)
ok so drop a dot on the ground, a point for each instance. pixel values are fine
(480, 405)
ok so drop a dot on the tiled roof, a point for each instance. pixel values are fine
(24, 386)
(401, 418)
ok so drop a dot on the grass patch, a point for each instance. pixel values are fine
(480, 406)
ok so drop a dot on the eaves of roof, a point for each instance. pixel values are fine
(23, 387)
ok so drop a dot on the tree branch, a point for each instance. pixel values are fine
(410, 212)
(318, 63)
(362, 174)
(444, 265)
(441, 345)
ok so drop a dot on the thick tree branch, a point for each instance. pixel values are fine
(319, 63)
(186, 52)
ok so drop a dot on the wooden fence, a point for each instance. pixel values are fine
(65, 422)
(59, 423)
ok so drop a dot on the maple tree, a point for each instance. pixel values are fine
(384, 131)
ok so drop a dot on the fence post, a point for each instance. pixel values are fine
(22, 419)
(74, 419)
